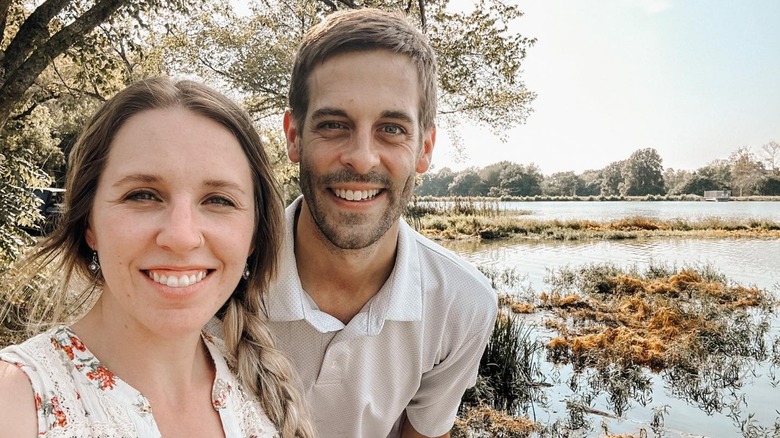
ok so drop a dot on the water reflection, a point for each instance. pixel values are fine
(746, 261)
(607, 211)
(730, 391)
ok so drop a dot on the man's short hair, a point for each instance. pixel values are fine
(358, 30)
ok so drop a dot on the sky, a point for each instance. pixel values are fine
(694, 79)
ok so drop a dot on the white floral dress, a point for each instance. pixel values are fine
(78, 397)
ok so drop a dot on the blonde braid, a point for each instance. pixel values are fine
(263, 369)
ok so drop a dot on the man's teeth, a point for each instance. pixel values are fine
(355, 195)
(174, 281)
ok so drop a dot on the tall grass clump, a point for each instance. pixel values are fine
(509, 373)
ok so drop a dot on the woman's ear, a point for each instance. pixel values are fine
(89, 236)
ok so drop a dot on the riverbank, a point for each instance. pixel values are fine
(592, 198)
(503, 226)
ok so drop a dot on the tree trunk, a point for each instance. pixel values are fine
(20, 75)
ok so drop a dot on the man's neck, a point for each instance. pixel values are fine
(341, 281)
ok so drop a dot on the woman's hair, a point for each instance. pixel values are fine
(261, 368)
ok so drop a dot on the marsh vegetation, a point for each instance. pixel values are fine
(590, 352)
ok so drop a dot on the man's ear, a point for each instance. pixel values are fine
(291, 134)
(426, 151)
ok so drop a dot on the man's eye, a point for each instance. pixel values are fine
(392, 130)
(332, 125)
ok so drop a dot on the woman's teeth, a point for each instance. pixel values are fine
(177, 281)
(355, 195)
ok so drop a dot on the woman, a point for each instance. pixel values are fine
(173, 216)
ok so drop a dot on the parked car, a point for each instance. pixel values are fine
(51, 207)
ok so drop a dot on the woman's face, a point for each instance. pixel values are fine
(172, 221)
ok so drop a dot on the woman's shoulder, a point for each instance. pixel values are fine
(18, 415)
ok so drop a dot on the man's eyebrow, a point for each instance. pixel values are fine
(398, 115)
(328, 112)
(336, 112)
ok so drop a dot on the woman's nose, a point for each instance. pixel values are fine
(179, 231)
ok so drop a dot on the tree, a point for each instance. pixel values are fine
(518, 180)
(612, 178)
(747, 171)
(719, 171)
(40, 36)
(466, 183)
(491, 174)
(771, 156)
(696, 183)
(589, 183)
(675, 179)
(643, 174)
(770, 186)
(561, 184)
(435, 184)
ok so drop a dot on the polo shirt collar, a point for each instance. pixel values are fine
(400, 298)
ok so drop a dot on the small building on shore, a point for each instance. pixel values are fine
(717, 195)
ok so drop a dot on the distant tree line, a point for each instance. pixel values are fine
(744, 173)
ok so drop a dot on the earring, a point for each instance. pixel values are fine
(246, 273)
(94, 265)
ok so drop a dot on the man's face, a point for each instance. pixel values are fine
(361, 145)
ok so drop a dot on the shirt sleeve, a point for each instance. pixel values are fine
(433, 409)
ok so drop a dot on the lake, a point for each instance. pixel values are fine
(611, 210)
(752, 405)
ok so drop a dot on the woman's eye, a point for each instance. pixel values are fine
(142, 196)
(220, 200)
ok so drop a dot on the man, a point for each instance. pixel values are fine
(385, 327)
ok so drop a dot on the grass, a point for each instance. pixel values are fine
(506, 227)
(483, 421)
(485, 218)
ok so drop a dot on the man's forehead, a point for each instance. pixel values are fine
(382, 82)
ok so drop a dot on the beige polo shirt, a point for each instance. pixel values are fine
(415, 345)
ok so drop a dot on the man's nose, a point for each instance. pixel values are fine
(361, 153)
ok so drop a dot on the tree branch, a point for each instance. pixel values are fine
(20, 79)
(329, 4)
(349, 3)
(5, 5)
(33, 32)
(423, 24)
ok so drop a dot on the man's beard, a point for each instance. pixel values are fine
(354, 230)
